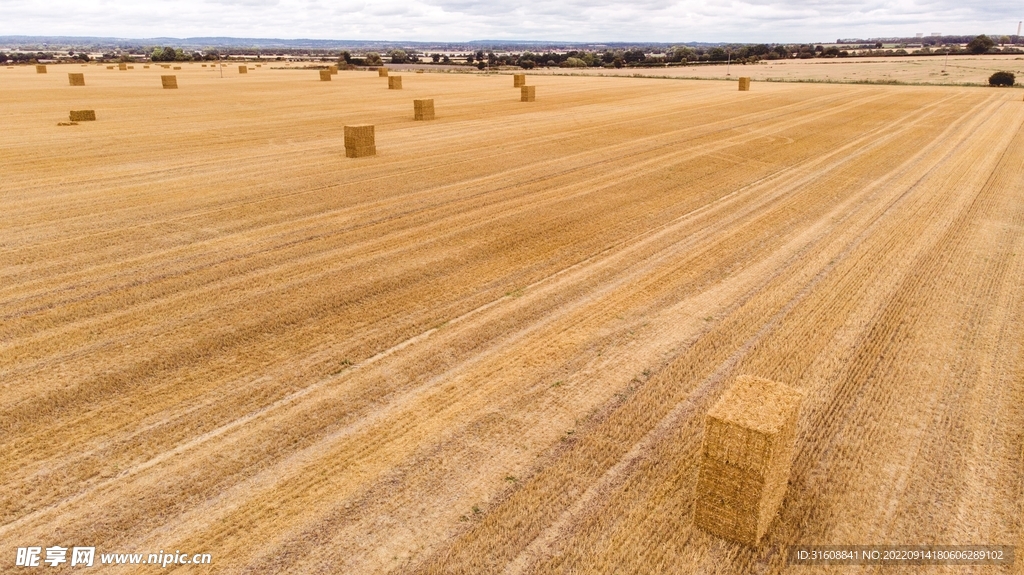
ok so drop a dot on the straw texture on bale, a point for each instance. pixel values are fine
(82, 115)
(110, 67)
(744, 84)
(382, 72)
(359, 141)
(169, 82)
(325, 75)
(423, 109)
(394, 82)
(518, 80)
(528, 93)
(332, 69)
(242, 70)
(177, 67)
(749, 440)
(76, 79)
(40, 68)
(122, 66)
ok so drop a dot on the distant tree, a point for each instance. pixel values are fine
(716, 54)
(1004, 40)
(345, 57)
(435, 57)
(469, 58)
(527, 64)
(481, 65)
(492, 59)
(445, 59)
(631, 56)
(373, 59)
(3, 57)
(980, 44)
(573, 62)
(398, 56)
(618, 62)
(82, 56)
(1002, 79)
(480, 55)
(782, 51)
(878, 45)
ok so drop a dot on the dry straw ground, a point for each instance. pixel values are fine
(491, 348)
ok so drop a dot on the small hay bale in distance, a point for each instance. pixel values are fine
(744, 84)
(325, 75)
(177, 67)
(82, 115)
(419, 71)
(359, 141)
(76, 79)
(131, 67)
(204, 65)
(333, 70)
(122, 66)
(527, 93)
(243, 70)
(169, 82)
(146, 67)
(518, 80)
(40, 68)
(749, 442)
(259, 65)
(394, 82)
(423, 109)
(110, 67)
(382, 72)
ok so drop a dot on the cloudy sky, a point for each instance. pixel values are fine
(460, 20)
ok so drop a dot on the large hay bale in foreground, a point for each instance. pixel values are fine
(518, 80)
(40, 68)
(382, 72)
(749, 441)
(394, 82)
(122, 66)
(528, 93)
(744, 84)
(423, 109)
(83, 115)
(76, 79)
(169, 82)
(325, 75)
(359, 141)
(243, 70)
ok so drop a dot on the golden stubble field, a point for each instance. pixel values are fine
(490, 348)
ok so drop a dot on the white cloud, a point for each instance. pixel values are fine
(458, 20)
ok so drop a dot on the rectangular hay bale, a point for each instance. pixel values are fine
(333, 70)
(76, 79)
(82, 115)
(242, 70)
(169, 82)
(325, 75)
(110, 67)
(359, 141)
(518, 80)
(122, 66)
(40, 68)
(423, 109)
(749, 442)
(744, 84)
(382, 72)
(394, 82)
(527, 93)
